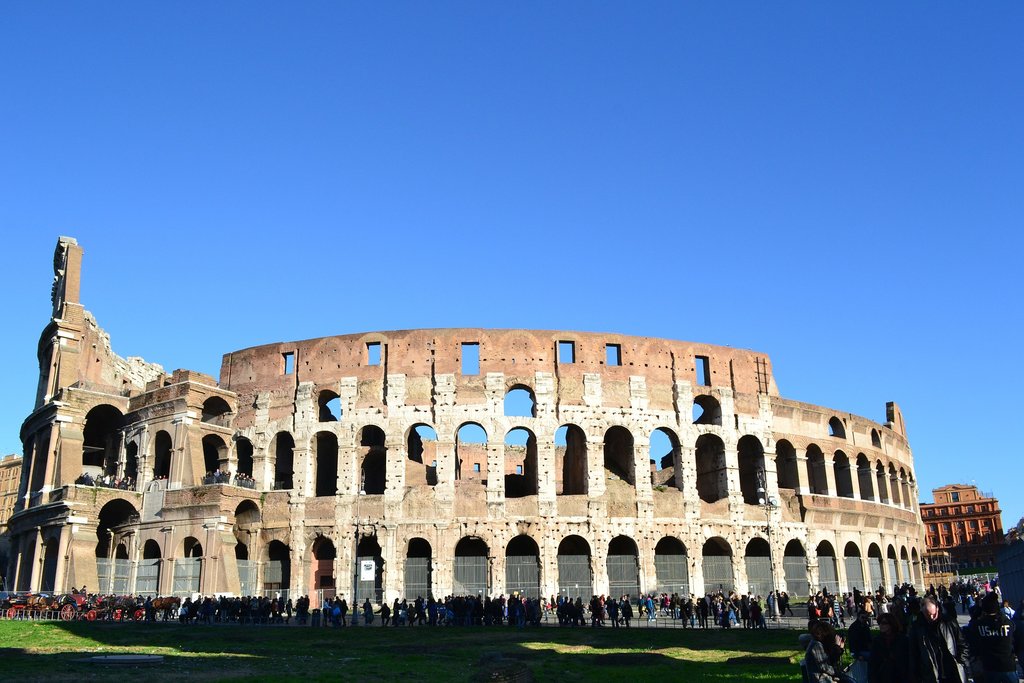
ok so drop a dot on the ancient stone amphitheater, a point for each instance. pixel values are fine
(450, 461)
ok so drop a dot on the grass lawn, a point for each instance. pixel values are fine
(49, 650)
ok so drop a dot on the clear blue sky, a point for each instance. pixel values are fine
(838, 185)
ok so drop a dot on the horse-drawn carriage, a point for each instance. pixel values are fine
(74, 606)
(28, 605)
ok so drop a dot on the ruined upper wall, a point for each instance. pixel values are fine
(423, 355)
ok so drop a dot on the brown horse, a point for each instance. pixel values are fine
(168, 606)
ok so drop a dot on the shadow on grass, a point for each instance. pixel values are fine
(48, 651)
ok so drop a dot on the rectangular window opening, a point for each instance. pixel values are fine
(613, 354)
(476, 467)
(373, 353)
(289, 362)
(519, 469)
(470, 358)
(703, 367)
(566, 352)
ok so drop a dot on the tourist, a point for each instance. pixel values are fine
(995, 644)
(938, 652)
(824, 654)
(890, 654)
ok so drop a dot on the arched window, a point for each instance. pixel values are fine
(520, 463)
(786, 466)
(162, 455)
(618, 454)
(842, 474)
(816, 471)
(373, 468)
(520, 402)
(671, 567)
(470, 567)
(865, 478)
(836, 428)
(421, 464)
(717, 565)
(101, 440)
(707, 411)
(215, 454)
(522, 567)
(284, 450)
(575, 579)
(571, 456)
(751, 461)
(794, 566)
(216, 411)
(328, 406)
(664, 457)
(712, 478)
(243, 450)
(326, 460)
(471, 453)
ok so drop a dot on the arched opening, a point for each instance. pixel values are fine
(671, 566)
(786, 467)
(875, 574)
(717, 563)
(277, 573)
(712, 480)
(574, 576)
(131, 463)
(51, 551)
(865, 478)
(328, 406)
(216, 411)
(623, 567)
(883, 489)
(520, 402)
(215, 455)
(471, 453)
(891, 566)
(816, 477)
(247, 525)
(759, 567)
(470, 567)
(418, 569)
(664, 457)
(284, 456)
(243, 451)
(522, 567)
(876, 440)
(618, 454)
(905, 575)
(101, 440)
(828, 573)
(836, 429)
(117, 519)
(843, 475)
(147, 575)
(326, 458)
(162, 455)
(894, 485)
(421, 464)
(854, 567)
(707, 411)
(750, 455)
(323, 566)
(520, 463)
(373, 470)
(188, 568)
(794, 566)
(571, 457)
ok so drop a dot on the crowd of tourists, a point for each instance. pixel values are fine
(107, 481)
(919, 639)
(225, 477)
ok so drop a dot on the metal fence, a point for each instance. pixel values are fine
(795, 569)
(673, 574)
(828, 574)
(470, 575)
(718, 573)
(187, 571)
(417, 577)
(854, 573)
(759, 575)
(623, 575)
(522, 575)
(574, 578)
(875, 572)
(147, 577)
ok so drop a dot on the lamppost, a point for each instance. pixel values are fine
(768, 505)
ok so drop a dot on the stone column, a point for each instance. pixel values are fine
(393, 578)
(595, 468)
(303, 478)
(395, 466)
(830, 474)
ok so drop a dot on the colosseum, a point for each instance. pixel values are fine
(448, 461)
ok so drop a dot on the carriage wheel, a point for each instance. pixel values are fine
(11, 613)
(67, 612)
(139, 615)
(117, 614)
(91, 615)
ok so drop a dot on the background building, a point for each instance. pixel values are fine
(964, 527)
(10, 476)
(454, 461)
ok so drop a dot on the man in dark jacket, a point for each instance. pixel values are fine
(938, 652)
(994, 643)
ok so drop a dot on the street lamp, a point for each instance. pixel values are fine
(768, 505)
